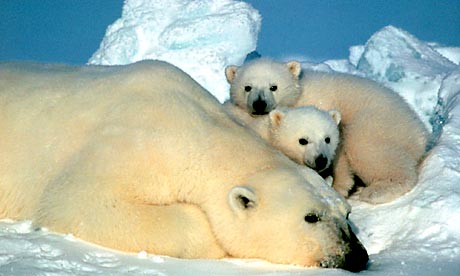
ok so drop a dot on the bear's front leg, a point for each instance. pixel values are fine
(176, 230)
(394, 174)
(342, 174)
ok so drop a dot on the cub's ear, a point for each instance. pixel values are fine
(294, 67)
(275, 117)
(230, 73)
(242, 199)
(335, 115)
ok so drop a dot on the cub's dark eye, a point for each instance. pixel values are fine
(303, 141)
(273, 88)
(247, 88)
(312, 218)
(327, 140)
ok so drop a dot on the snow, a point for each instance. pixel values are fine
(451, 53)
(417, 234)
(200, 37)
(402, 62)
(24, 251)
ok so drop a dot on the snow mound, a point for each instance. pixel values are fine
(393, 54)
(451, 53)
(395, 58)
(200, 37)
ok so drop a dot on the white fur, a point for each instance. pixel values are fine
(141, 157)
(383, 140)
(289, 129)
(268, 81)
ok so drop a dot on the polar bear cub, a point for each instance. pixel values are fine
(263, 84)
(255, 92)
(306, 134)
(383, 140)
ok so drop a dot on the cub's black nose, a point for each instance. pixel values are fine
(320, 162)
(259, 106)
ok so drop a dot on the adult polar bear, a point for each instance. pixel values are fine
(141, 157)
(383, 140)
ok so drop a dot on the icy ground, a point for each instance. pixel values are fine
(418, 234)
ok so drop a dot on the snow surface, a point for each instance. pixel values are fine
(417, 234)
(402, 62)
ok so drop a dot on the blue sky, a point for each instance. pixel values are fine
(70, 30)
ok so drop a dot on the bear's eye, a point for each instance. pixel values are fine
(312, 218)
(303, 141)
(247, 88)
(327, 140)
(273, 88)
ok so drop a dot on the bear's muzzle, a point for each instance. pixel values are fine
(260, 102)
(355, 256)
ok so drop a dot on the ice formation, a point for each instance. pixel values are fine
(397, 59)
(200, 37)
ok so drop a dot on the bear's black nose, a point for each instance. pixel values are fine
(356, 259)
(320, 162)
(259, 106)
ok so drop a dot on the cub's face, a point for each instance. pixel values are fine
(307, 135)
(278, 216)
(261, 85)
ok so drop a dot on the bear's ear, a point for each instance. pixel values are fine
(335, 115)
(230, 73)
(294, 67)
(275, 117)
(241, 199)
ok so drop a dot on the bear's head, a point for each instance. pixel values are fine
(279, 216)
(306, 134)
(260, 85)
